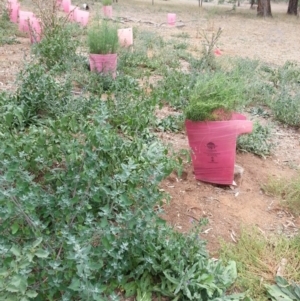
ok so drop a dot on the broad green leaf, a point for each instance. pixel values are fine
(12, 288)
(15, 251)
(14, 228)
(19, 282)
(41, 253)
(4, 272)
(31, 294)
(37, 242)
(75, 285)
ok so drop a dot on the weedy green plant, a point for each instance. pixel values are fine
(257, 142)
(174, 89)
(283, 290)
(171, 123)
(38, 96)
(208, 60)
(286, 106)
(288, 190)
(258, 258)
(183, 35)
(103, 38)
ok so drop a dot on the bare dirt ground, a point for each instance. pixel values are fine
(271, 40)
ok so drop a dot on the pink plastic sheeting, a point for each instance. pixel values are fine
(13, 9)
(82, 17)
(66, 5)
(35, 30)
(24, 17)
(171, 19)
(125, 36)
(107, 11)
(104, 63)
(73, 12)
(213, 146)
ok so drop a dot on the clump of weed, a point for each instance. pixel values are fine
(288, 190)
(286, 106)
(257, 142)
(258, 258)
(208, 60)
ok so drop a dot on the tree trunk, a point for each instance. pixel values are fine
(293, 7)
(264, 8)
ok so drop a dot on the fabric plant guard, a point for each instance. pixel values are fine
(66, 5)
(107, 11)
(35, 30)
(171, 19)
(82, 17)
(24, 19)
(125, 37)
(213, 147)
(104, 63)
(73, 13)
(13, 9)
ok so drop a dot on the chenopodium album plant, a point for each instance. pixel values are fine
(77, 218)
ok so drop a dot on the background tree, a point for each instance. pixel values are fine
(293, 7)
(264, 8)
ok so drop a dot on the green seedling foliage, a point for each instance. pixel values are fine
(103, 38)
(106, 2)
(212, 91)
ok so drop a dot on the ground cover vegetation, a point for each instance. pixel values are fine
(81, 166)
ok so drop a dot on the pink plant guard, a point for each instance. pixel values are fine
(13, 9)
(24, 17)
(82, 17)
(213, 146)
(107, 11)
(171, 19)
(104, 63)
(125, 36)
(35, 30)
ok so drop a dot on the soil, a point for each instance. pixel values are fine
(227, 208)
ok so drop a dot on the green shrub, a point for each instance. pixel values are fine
(103, 38)
(213, 91)
(106, 2)
(57, 49)
(38, 96)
